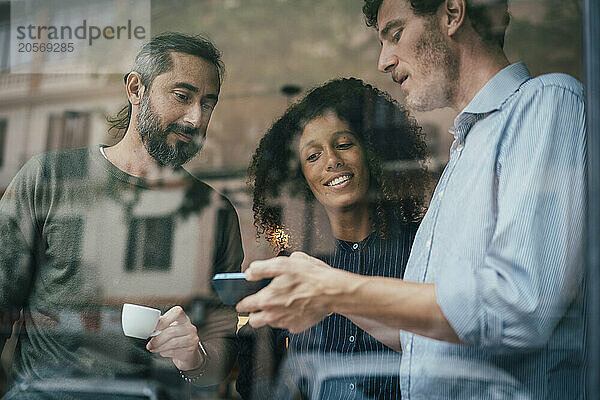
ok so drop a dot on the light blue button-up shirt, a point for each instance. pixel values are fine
(503, 243)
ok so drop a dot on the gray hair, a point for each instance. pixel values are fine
(155, 56)
(155, 59)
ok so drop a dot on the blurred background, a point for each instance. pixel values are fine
(274, 50)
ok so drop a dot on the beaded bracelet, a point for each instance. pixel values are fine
(199, 372)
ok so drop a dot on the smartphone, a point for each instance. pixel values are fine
(233, 287)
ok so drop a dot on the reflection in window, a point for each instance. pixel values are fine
(2, 141)
(150, 244)
(4, 35)
(70, 130)
(68, 238)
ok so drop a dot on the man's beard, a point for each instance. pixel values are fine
(440, 66)
(154, 137)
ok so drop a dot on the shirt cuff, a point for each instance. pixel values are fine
(457, 299)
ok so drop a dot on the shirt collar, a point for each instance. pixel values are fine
(492, 96)
(498, 89)
(355, 246)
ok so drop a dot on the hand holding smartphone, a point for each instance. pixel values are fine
(233, 287)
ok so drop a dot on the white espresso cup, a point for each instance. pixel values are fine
(139, 321)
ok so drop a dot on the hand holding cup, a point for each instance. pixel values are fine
(178, 340)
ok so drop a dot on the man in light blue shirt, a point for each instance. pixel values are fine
(491, 305)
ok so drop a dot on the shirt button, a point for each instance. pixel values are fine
(355, 246)
(460, 147)
(351, 339)
(408, 347)
(441, 194)
(428, 244)
(352, 386)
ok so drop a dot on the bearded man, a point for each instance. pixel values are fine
(86, 230)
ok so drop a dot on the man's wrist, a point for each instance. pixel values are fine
(194, 374)
(339, 288)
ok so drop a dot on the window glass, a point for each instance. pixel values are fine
(85, 230)
(2, 141)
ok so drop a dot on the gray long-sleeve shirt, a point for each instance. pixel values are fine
(80, 237)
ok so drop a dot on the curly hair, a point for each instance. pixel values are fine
(390, 136)
(478, 15)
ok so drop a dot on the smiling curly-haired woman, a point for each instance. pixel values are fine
(393, 143)
(359, 154)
